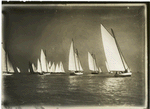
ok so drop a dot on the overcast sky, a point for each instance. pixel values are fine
(28, 29)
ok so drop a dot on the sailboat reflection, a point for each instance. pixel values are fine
(74, 82)
(42, 85)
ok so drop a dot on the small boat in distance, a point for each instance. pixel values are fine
(62, 71)
(92, 63)
(18, 70)
(74, 62)
(7, 67)
(114, 56)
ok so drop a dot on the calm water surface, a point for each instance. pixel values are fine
(66, 90)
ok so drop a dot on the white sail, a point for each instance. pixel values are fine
(49, 64)
(4, 65)
(95, 67)
(52, 69)
(18, 70)
(48, 69)
(80, 67)
(90, 60)
(28, 70)
(100, 70)
(107, 66)
(78, 64)
(43, 62)
(33, 67)
(9, 65)
(57, 68)
(72, 65)
(39, 69)
(111, 51)
(61, 67)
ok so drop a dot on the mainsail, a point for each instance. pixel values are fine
(52, 69)
(107, 66)
(92, 62)
(72, 65)
(100, 70)
(33, 67)
(111, 51)
(4, 61)
(6, 64)
(43, 61)
(61, 67)
(57, 68)
(39, 69)
(9, 65)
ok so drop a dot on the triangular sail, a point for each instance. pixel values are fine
(9, 65)
(95, 67)
(49, 64)
(78, 64)
(61, 67)
(52, 69)
(39, 69)
(43, 62)
(18, 70)
(33, 67)
(90, 60)
(107, 66)
(57, 68)
(111, 51)
(72, 63)
(4, 65)
(100, 70)
(48, 69)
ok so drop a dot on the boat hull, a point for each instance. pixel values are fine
(123, 74)
(7, 74)
(94, 72)
(76, 73)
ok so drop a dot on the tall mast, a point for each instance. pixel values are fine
(118, 47)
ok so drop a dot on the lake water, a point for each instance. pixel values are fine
(66, 90)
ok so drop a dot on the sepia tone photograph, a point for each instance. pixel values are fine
(73, 55)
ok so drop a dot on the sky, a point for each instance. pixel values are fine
(28, 29)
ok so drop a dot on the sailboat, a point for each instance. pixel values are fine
(39, 69)
(92, 63)
(31, 70)
(108, 67)
(34, 68)
(52, 68)
(114, 55)
(57, 69)
(44, 63)
(7, 67)
(74, 62)
(61, 68)
(18, 70)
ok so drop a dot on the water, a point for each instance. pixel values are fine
(66, 90)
